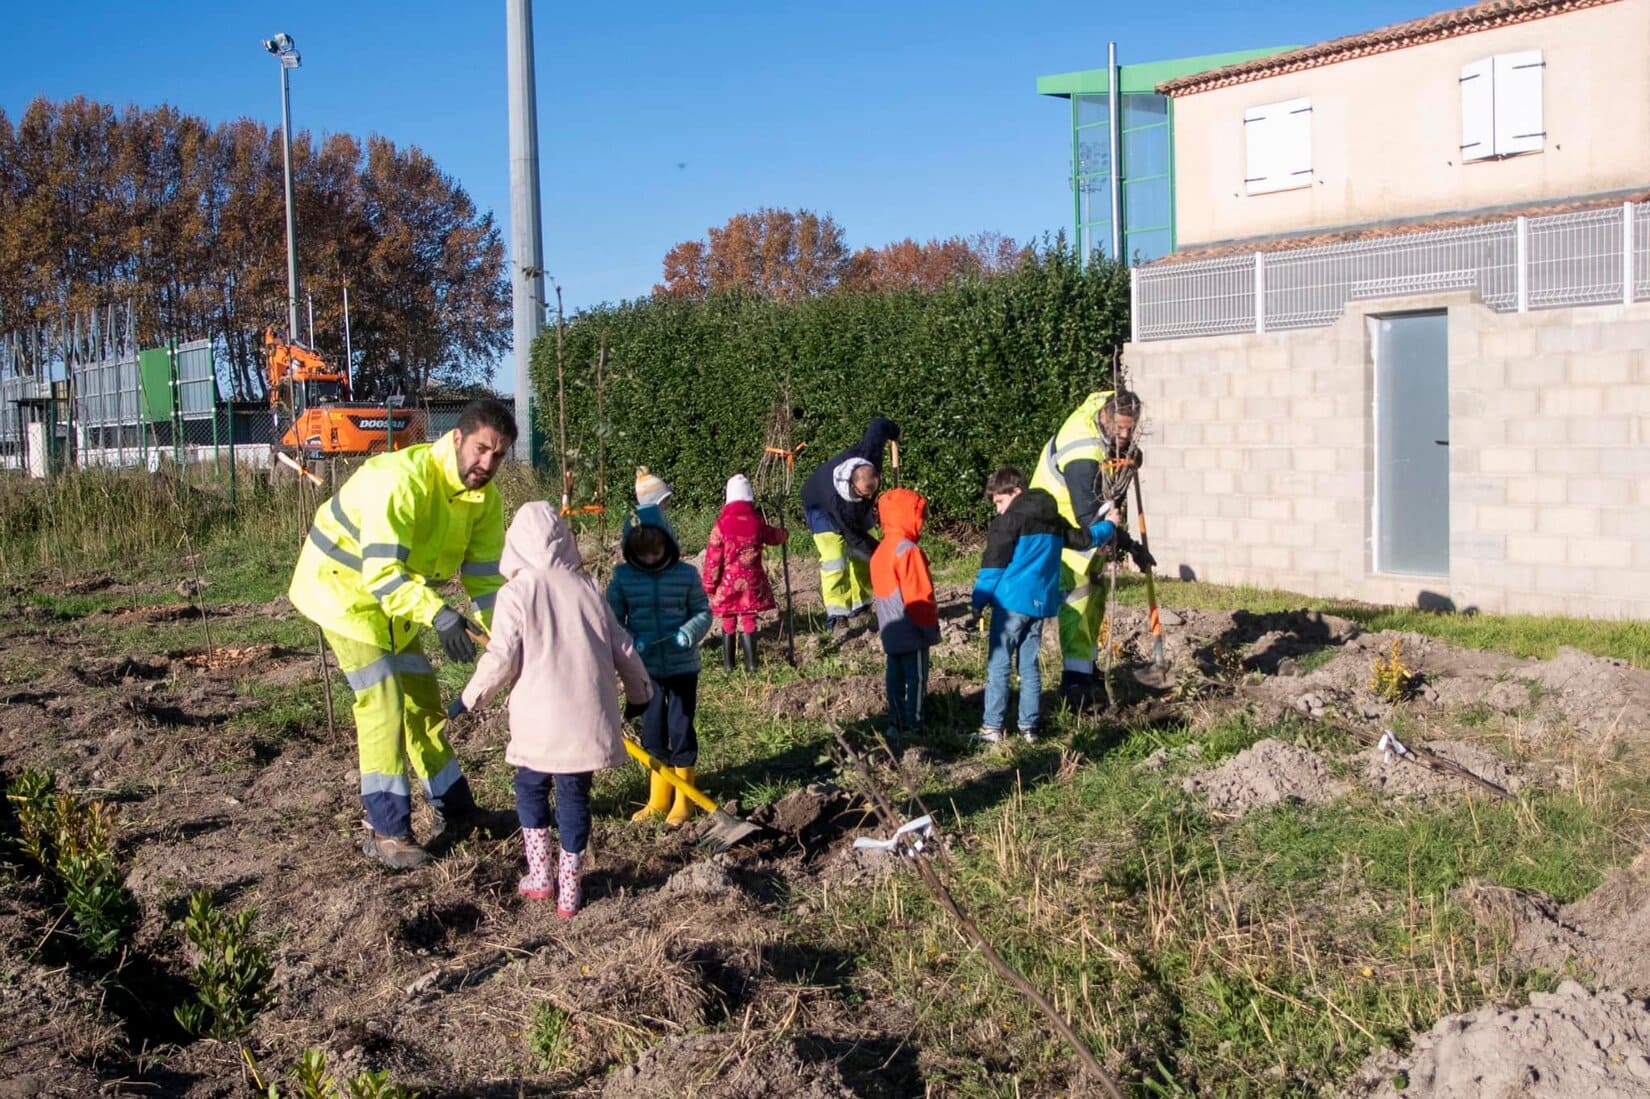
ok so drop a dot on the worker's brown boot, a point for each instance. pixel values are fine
(395, 852)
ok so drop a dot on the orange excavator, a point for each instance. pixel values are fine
(311, 402)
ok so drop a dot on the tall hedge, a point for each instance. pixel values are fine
(977, 375)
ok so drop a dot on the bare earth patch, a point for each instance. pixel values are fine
(1266, 773)
(1566, 1044)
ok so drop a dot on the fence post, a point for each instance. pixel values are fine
(1134, 306)
(233, 509)
(1627, 243)
(1260, 292)
(1521, 257)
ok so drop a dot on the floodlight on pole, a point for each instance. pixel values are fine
(286, 52)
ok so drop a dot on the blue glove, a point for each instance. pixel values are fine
(1103, 531)
(456, 707)
(684, 640)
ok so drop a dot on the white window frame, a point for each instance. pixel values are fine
(1277, 146)
(1502, 104)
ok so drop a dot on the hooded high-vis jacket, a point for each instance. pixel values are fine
(829, 503)
(404, 523)
(902, 588)
(1020, 570)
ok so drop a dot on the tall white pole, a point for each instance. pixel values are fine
(526, 238)
(1114, 107)
(291, 222)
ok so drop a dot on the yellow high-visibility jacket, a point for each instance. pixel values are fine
(401, 525)
(1070, 465)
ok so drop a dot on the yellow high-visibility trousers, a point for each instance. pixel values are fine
(844, 576)
(399, 720)
(1081, 610)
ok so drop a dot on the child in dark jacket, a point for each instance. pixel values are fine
(659, 599)
(1019, 581)
(735, 580)
(908, 618)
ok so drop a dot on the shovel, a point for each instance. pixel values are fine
(1156, 676)
(725, 830)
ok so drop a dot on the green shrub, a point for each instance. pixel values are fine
(977, 374)
(231, 975)
(72, 841)
(314, 1082)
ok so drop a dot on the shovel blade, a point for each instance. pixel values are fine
(1154, 676)
(727, 830)
(1159, 659)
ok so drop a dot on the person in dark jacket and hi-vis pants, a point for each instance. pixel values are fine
(403, 524)
(839, 503)
(908, 617)
(1019, 582)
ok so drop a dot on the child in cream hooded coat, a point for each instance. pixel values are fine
(556, 640)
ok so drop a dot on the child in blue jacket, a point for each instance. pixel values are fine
(658, 597)
(1019, 580)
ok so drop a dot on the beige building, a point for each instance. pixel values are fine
(1502, 103)
(1421, 373)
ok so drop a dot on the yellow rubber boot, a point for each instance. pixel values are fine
(658, 797)
(683, 808)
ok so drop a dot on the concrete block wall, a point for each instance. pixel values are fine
(1260, 458)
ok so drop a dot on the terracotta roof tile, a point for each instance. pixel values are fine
(1398, 228)
(1430, 28)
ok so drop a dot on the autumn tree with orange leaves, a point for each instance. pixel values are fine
(788, 255)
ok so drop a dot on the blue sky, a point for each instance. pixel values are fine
(900, 117)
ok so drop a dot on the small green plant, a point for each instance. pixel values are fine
(315, 1082)
(1475, 715)
(231, 975)
(549, 1036)
(1389, 678)
(72, 841)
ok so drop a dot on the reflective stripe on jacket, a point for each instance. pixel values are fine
(401, 524)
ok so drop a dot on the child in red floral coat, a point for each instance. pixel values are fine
(734, 579)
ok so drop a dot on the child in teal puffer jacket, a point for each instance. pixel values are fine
(660, 600)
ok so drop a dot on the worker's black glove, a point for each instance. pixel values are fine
(1141, 556)
(634, 710)
(454, 630)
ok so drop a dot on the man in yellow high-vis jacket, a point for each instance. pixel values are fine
(403, 523)
(1087, 467)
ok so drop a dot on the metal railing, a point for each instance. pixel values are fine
(1590, 257)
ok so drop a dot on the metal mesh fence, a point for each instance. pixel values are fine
(1310, 287)
(1575, 259)
(1641, 253)
(1204, 298)
(1558, 260)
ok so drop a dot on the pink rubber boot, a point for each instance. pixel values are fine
(537, 885)
(567, 882)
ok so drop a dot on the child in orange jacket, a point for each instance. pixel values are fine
(908, 619)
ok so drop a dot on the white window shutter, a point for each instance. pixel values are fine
(1518, 125)
(1478, 109)
(1259, 159)
(1295, 134)
(1277, 140)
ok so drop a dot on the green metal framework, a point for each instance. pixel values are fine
(1146, 146)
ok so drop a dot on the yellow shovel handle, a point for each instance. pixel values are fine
(642, 756)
